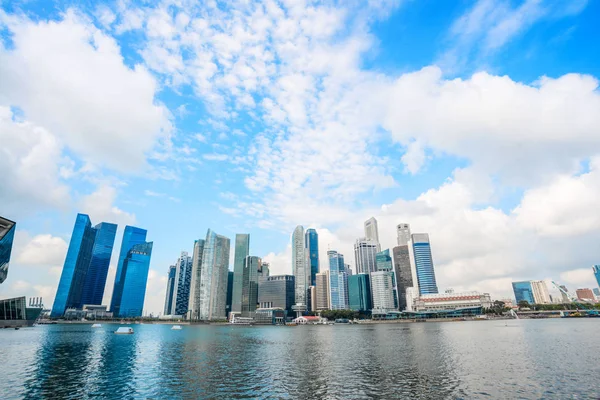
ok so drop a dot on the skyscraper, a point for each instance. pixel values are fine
(403, 231)
(194, 305)
(83, 249)
(365, 253)
(338, 289)
(136, 265)
(252, 267)
(214, 275)
(323, 290)
(540, 292)
(168, 310)
(359, 292)
(277, 291)
(523, 292)
(229, 293)
(424, 263)
(596, 270)
(7, 235)
(384, 263)
(404, 273)
(299, 266)
(242, 250)
(183, 280)
(312, 248)
(132, 236)
(382, 291)
(372, 232)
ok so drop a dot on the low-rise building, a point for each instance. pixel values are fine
(270, 316)
(452, 301)
(585, 295)
(305, 319)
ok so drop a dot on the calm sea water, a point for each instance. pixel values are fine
(527, 359)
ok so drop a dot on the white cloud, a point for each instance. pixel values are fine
(579, 278)
(40, 250)
(215, 157)
(99, 205)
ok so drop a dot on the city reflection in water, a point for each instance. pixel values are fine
(497, 359)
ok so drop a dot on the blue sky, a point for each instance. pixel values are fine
(475, 121)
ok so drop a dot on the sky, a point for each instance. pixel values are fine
(477, 122)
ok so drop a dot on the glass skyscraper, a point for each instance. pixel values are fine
(523, 291)
(214, 276)
(403, 272)
(338, 290)
(132, 237)
(170, 289)
(300, 266)
(242, 250)
(135, 276)
(277, 291)
(229, 293)
(84, 272)
(196, 279)
(7, 235)
(312, 247)
(424, 264)
(365, 253)
(596, 269)
(183, 279)
(252, 265)
(359, 292)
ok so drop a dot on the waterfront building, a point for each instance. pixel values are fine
(384, 263)
(84, 272)
(213, 279)
(586, 295)
(403, 234)
(270, 316)
(365, 253)
(7, 236)
(196, 279)
(452, 301)
(169, 304)
(523, 292)
(596, 271)
(300, 267)
(372, 232)
(313, 298)
(252, 268)
(424, 263)
(403, 267)
(136, 265)
(359, 292)
(242, 250)
(382, 290)
(15, 314)
(277, 291)
(411, 295)
(132, 236)
(540, 292)
(229, 293)
(312, 249)
(323, 291)
(337, 281)
(183, 280)
(596, 293)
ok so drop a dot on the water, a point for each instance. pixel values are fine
(529, 359)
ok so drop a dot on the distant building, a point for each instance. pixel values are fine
(384, 263)
(84, 272)
(540, 292)
(586, 295)
(452, 301)
(183, 280)
(365, 253)
(252, 267)
(312, 249)
(169, 304)
(242, 250)
(523, 292)
(196, 280)
(596, 293)
(359, 292)
(277, 291)
(306, 320)
(337, 281)
(382, 290)
(300, 266)
(7, 235)
(270, 316)
(403, 231)
(134, 279)
(424, 263)
(596, 270)
(229, 292)
(412, 293)
(404, 273)
(372, 231)
(313, 298)
(214, 277)
(323, 290)
(508, 303)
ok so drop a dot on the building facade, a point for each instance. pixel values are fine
(452, 301)
(586, 295)
(359, 292)
(169, 309)
(7, 236)
(95, 279)
(365, 255)
(523, 292)
(242, 250)
(323, 291)
(540, 292)
(252, 268)
(312, 248)
(596, 271)
(277, 291)
(300, 266)
(229, 293)
(213, 279)
(183, 280)
(382, 290)
(196, 279)
(372, 232)
(424, 263)
(338, 289)
(403, 234)
(135, 277)
(404, 273)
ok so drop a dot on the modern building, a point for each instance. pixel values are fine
(372, 231)
(183, 280)
(404, 273)
(132, 237)
(338, 290)
(15, 314)
(523, 292)
(83, 277)
(359, 292)
(424, 263)
(313, 298)
(411, 295)
(7, 236)
(384, 263)
(365, 253)
(312, 249)
(229, 293)
(196, 279)
(596, 293)
(403, 234)
(300, 267)
(382, 289)
(540, 292)
(452, 301)
(596, 270)
(169, 304)
(323, 291)
(242, 250)
(277, 291)
(586, 295)
(252, 268)
(134, 279)
(270, 316)
(214, 276)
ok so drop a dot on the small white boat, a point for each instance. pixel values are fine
(97, 326)
(176, 327)
(124, 330)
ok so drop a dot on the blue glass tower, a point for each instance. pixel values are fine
(312, 246)
(359, 292)
(338, 281)
(424, 264)
(523, 292)
(7, 235)
(135, 276)
(596, 269)
(131, 237)
(95, 279)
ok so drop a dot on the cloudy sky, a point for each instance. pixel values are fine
(475, 121)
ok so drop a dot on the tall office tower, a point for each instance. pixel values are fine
(214, 275)
(299, 265)
(183, 279)
(168, 310)
(372, 232)
(263, 272)
(384, 263)
(338, 281)
(359, 292)
(313, 298)
(411, 294)
(312, 248)
(540, 292)
(135, 277)
(84, 256)
(348, 269)
(277, 291)
(403, 272)
(365, 253)
(403, 231)
(7, 235)
(242, 250)
(382, 291)
(194, 304)
(596, 270)
(132, 236)
(229, 293)
(323, 290)
(523, 292)
(424, 263)
(252, 267)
